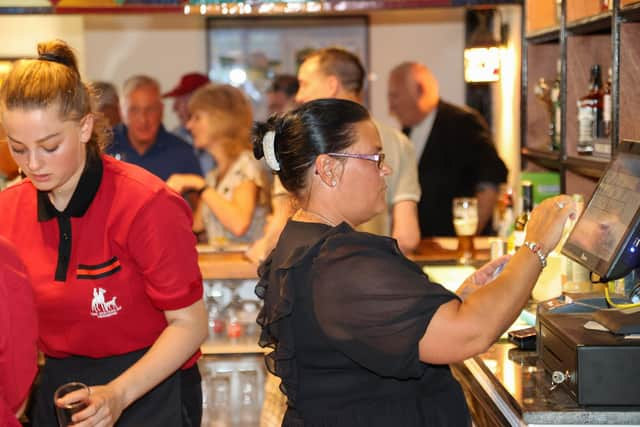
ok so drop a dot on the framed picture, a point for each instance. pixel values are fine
(249, 52)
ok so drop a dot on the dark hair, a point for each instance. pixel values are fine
(285, 83)
(346, 66)
(53, 79)
(317, 127)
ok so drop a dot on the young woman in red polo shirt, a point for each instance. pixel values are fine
(111, 255)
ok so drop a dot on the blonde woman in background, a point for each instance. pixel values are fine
(234, 195)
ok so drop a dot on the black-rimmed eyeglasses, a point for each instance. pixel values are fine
(378, 157)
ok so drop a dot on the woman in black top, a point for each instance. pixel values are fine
(361, 337)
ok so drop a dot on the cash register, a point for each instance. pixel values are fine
(600, 367)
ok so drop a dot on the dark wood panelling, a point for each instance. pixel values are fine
(580, 184)
(630, 81)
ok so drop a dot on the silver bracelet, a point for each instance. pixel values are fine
(537, 249)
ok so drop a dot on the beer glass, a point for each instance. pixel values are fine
(465, 222)
(65, 412)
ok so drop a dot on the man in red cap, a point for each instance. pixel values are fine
(181, 94)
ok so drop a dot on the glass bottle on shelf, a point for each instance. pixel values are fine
(556, 108)
(522, 219)
(606, 107)
(235, 327)
(590, 113)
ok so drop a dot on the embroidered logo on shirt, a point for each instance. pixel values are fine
(101, 308)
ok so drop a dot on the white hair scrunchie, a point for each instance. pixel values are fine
(268, 148)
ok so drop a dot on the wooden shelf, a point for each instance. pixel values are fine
(630, 13)
(546, 35)
(600, 23)
(547, 159)
(591, 167)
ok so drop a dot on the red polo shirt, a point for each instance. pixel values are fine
(18, 334)
(106, 268)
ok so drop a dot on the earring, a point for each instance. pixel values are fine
(333, 183)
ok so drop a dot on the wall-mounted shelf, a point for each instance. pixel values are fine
(591, 167)
(586, 36)
(591, 24)
(547, 159)
(547, 35)
(630, 12)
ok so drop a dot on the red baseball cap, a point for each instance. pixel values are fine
(188, 83)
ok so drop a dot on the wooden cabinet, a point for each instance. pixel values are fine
(588, 32)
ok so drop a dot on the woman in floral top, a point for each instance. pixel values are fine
(234, 195)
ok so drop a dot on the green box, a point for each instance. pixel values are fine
(545, 184)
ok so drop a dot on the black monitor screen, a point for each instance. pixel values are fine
(604, 238)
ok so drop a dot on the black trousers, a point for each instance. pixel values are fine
(177, 401)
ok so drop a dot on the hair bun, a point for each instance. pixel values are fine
(59, 52)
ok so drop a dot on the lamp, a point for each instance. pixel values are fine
(482, 54)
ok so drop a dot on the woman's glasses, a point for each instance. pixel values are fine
(378, 157)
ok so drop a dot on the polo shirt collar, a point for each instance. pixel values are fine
(82, 197)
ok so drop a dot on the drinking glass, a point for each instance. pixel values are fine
(465, 222)
(249, 404)
(65, 412)
(219, 400)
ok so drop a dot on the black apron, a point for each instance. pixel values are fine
(161, 406)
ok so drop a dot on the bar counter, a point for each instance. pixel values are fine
(234, 265)
(504, 386)
(507, 386)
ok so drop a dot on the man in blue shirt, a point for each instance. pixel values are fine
(142, 139)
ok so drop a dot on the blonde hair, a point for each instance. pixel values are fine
(232, 112)
(54, 80)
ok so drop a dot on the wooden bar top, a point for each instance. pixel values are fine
(445, 250)
(234, 264)
(226, 265)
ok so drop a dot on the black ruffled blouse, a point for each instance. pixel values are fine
(344, 312)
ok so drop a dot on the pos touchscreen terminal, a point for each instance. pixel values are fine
(606, 238)
(596, 367)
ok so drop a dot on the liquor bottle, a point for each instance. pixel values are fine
(522, 220)
(590, 113)
(606, 107)
(556, 108)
